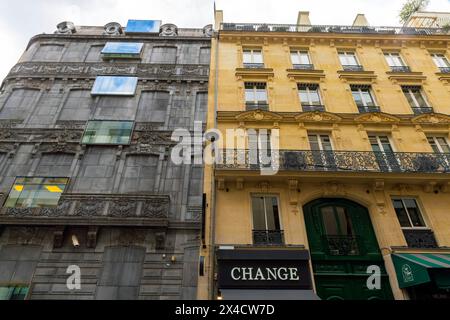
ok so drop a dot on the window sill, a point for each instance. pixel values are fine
(405, 78)
(363, 77)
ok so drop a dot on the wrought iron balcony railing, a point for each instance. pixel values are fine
(352, 67)
(264, 27)
(422, 110)
(254, 65)
(420, 238)
(268, 237)
(303, 66)
(313, 107)
(257, 106)
(444, 69)
(367, 109)
(337, 161)
(342, 245)
(400, 69)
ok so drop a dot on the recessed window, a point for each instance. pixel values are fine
(364, 99)
(349, 61)
(122, 50)
(439, 144)
(416, 99)
(408, 213)
(395, 62)
(266, 221)
(256, 95)
(253, 58)
(36, 192)
(13, 293)
(301, 60)
(143, 26)
(122, 86)
(441, 62)
(108, 132)
(310, 97)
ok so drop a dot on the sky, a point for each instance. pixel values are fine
(22, 19)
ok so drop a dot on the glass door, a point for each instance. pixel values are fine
(322, 152)
(384, 153)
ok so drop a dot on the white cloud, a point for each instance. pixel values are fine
(21, 19)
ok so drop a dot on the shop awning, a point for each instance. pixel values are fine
(417, 268)
(243, 295)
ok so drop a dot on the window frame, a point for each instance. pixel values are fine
(252, 56)
(17, 286)
(347, 53)
(379, 135)
(255, 91)
(443, 58)
(108, 144)
(298, 53)
(111, 93)
(437, 143)
(411, 94)
(392, 54)
(419, 207)
(308, 93)
(319, 135)
(266, 195)
(68, 180)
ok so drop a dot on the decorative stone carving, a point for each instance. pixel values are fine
(152, 138)
(168, 30)
(208, 30)
(376, 118)
(318, 117)
(293, 192)
(432, 119)
(113, 29)
(71, 125)
(90, 207)
(26, 235)
(61, 210)
(19, 212)
(123, 208)
(65, 27)
(259, 115)
(59, 148)
(155, 208)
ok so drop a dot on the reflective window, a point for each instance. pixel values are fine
(408, 213)
(255, 93)
(415, 97)
(253, 57)
(108, 132)
(122, 49)
(105, 85)
(300, 57)
(394, 59)
(440, 60)
(265, 213)
(36, 192)
(348, 58)
(13, 293)
(439, 144)
(143, 26)
(309, 94)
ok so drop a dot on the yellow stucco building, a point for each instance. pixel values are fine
(360, 205)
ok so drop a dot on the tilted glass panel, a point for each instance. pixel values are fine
(401, 213)
(414, 213)
(329, 221)
(36, 192)
(441, 61)
(314, 143)
(105, 85)
(122, 49)
(420, 99)
(143, 26)
(272, 212)
(259, 219)
(108, 132)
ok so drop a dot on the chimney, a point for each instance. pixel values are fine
(303, 18)
(218, 17)
(360, 21)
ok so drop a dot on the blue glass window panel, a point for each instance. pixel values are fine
(108, 132)
(127, 48)
(107, 85)
(143, 26)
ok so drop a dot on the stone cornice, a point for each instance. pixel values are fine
(376, 118)
(68, 70)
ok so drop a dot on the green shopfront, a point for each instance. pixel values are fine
(344, 251)
(425, 276)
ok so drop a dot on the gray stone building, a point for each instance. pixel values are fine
(86, 119)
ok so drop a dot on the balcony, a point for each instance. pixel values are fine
(268, 237)
(313, 108)
(94, 210)
(400, 69)
(264, 27)
(343, 245)
(250, 106)
(303, 66)
(422, 110)
(444, 69)
(353, 68)
(254, 65)
(420, 238)
(368, 109)
(339, 161)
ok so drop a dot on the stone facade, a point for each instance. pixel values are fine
(137, 216)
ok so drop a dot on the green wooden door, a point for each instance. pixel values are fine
(343, 246)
